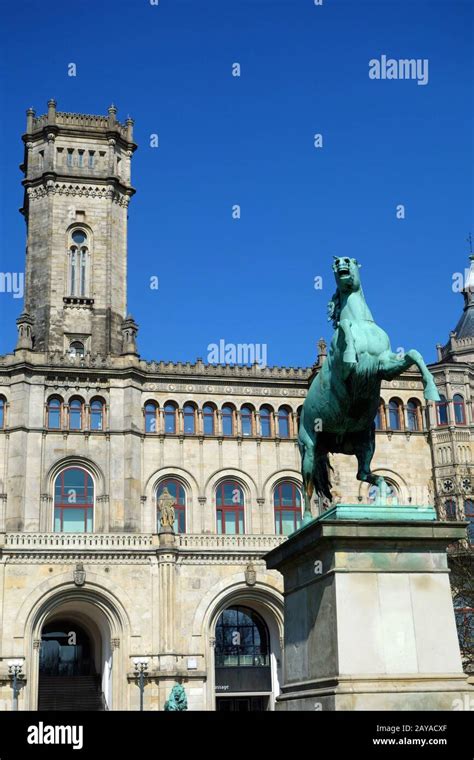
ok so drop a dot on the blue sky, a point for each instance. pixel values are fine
(249, 141)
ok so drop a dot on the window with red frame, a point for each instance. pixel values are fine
(287, 507)
(73, 501)
(176, 490)
(230, 507)
(469, 515)
(151, 410)
(227, 420)
(208, 419)
(54, 409)
(76, 414)
(170, 418)
(283, 423)
(189, 413)
(450, 509)
(442, 410)
(97, 414)
(265, 421)
(459, 409)
(246, 419)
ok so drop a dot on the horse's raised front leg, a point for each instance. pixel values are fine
(391, 366)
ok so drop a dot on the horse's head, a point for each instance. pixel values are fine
(346, 273)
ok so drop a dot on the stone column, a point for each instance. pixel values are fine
(167, 555)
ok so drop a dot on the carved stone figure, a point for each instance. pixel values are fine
(166, 507)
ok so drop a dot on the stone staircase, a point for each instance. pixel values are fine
(70, 693)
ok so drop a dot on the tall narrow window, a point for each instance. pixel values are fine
(230, 507)
(170, 417)
(395, 411)
(70, 156)
(2, 412)
(459, 410)
(91, 159)
(54, 408)
(189, 413)
(228, 419)
(266, 421)
(176, 490)
(283, 422)
(78, 264)
(246, 419)
(469, 515)
(442, 410)
(208, 418)
(73, 501)
(97, 414)
(287, 508)
(450, 509)
(80, 158)
(76, 413)
(413, 415)
(151, 411)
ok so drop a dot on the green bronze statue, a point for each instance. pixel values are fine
(339, 411)
(177, 699)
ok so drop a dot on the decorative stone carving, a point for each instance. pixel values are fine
(79, 574)
(250, 574)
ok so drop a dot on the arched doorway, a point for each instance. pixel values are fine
(69, 678)
(243, 674)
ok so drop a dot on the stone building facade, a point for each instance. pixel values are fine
(94, 440)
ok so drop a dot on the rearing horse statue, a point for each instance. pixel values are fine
(339, 411)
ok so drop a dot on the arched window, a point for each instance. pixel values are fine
(151, 409)
(3, 404)
(170, 417)
(76, 413)
(176, 490)
(73, 501)
(380, 422)
(227, 419)
(450, 509)
(284, 422)
(78, 264)
(76, 348)
(97, 414)
(54, 408)
(442, 410)
(395, 413)
(209, 419)
(242, 639)
(266, 421)
(459, 410)
(189, 413)
(469, 515)
(230, 507)
(414, 414)
(246, 420)
(287, 508)
(391, 494)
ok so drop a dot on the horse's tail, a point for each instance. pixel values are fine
(321, 475)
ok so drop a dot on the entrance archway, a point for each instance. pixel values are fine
(74, 666)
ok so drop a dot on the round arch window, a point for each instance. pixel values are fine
(79, 236)
(73, 501)
(242, 639)
(391, 494)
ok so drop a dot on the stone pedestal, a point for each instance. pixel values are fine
(369, 619)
